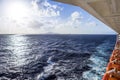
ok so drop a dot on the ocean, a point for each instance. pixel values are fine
(54, 57)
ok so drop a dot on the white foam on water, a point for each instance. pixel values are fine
(88, 75)
(98, 63)
(49, 60)
(98, 68)
(47, 70)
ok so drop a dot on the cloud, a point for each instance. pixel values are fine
(70, 25)
(45, 15)
(75, 19)
(76, 16)
(36, 24)
(41, 16)
(45, 9)
(76, 23)
(91, 24)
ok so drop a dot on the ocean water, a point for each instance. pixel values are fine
(54, 57)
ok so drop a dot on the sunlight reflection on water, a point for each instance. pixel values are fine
(19, 50)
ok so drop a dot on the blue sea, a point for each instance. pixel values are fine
(54, 57)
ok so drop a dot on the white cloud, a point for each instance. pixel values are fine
(71, 25)
(41, 18)
(45, 9)
(44, 15)
(91, 24)
(75, 19)
(76, 16)
(76, 24)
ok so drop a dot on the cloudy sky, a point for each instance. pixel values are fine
(47, 16)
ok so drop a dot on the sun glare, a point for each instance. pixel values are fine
(16, 10)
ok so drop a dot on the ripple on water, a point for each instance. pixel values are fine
(50, 57)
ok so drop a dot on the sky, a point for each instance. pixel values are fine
(47, 17)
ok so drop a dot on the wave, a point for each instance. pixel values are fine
(99, 61)
(61, 57)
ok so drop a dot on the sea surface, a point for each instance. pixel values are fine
(54, 57)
